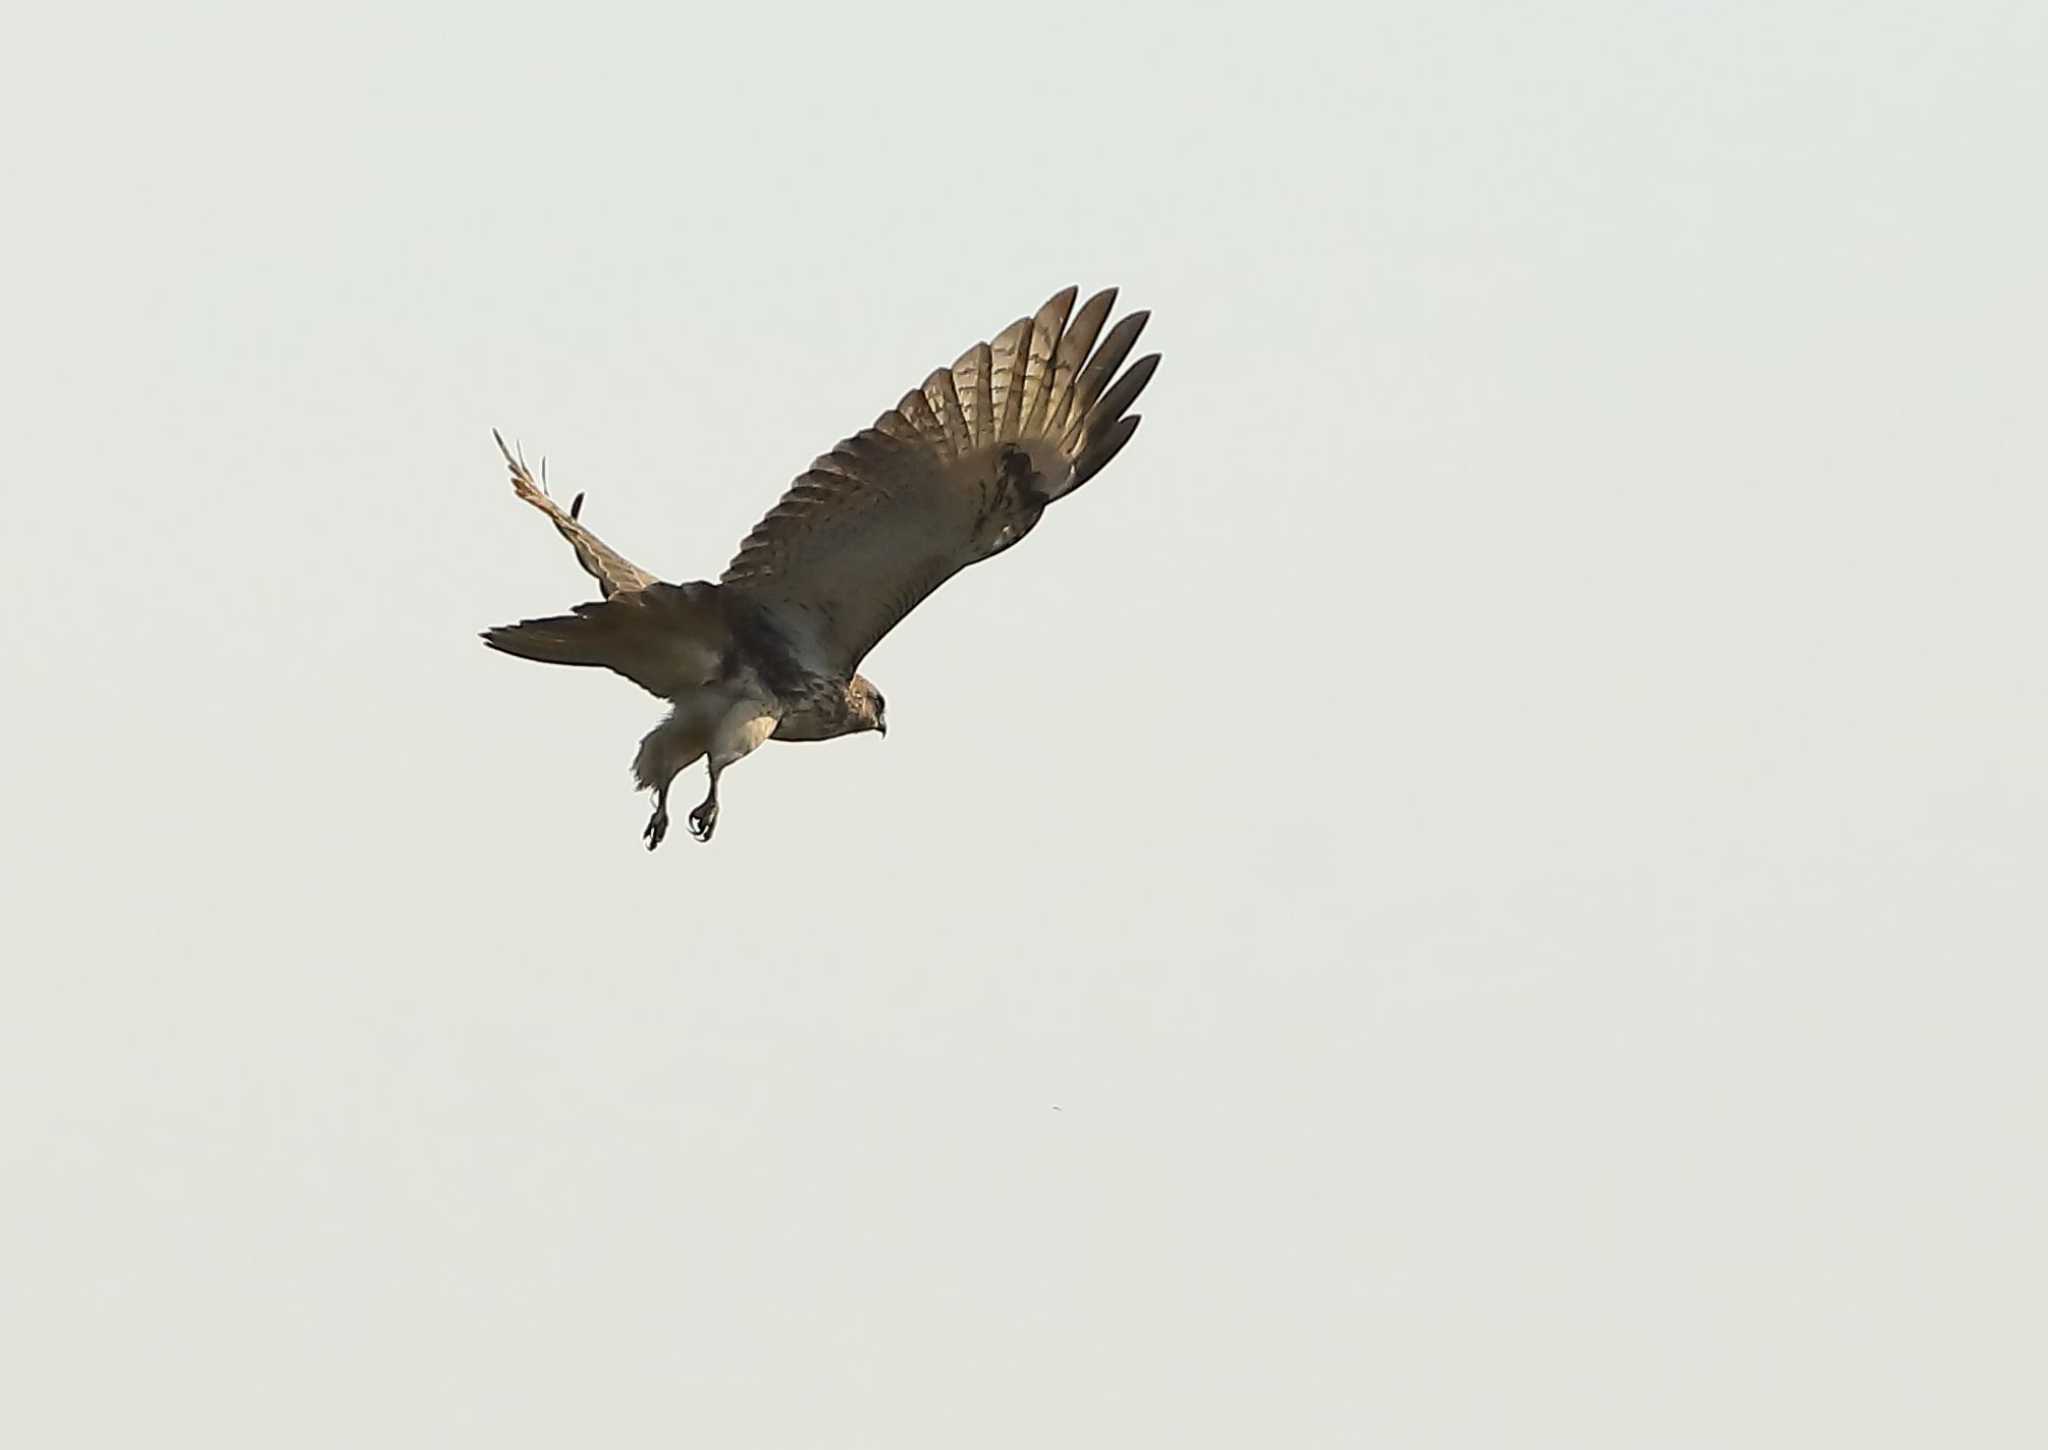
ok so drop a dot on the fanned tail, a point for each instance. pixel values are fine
(665, 638)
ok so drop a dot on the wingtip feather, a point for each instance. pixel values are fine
(1100, 453)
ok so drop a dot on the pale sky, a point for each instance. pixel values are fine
(1481, 887)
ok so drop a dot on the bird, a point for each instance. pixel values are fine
(959, 471)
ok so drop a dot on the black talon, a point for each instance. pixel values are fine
(657, 829)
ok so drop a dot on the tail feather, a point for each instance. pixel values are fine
(565, 639)
(665, 638)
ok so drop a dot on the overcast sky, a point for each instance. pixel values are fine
(1481, 887)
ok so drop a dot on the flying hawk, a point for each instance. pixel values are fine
(956, 473)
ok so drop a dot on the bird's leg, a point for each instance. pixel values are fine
(749, 721)
(704, 819)
(657, 824)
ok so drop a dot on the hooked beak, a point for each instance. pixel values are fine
(882, 728)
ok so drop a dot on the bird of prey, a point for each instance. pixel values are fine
(956, 473)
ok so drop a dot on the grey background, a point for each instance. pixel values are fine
(1481, 887)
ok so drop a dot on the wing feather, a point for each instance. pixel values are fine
(944, 396)
(1101, 368)
(971, 378)
(1114, 403)
(1099, 453)
(897, 426)
(1007, 352)
(613, 571)
(1046, 328)
(916, 410)
(958, 471)
(1073, 352)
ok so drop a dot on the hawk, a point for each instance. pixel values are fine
(956, 473)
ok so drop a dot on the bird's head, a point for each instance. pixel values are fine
(869, 711)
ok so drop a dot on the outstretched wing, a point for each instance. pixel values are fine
(614, 573)
(956, 472)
